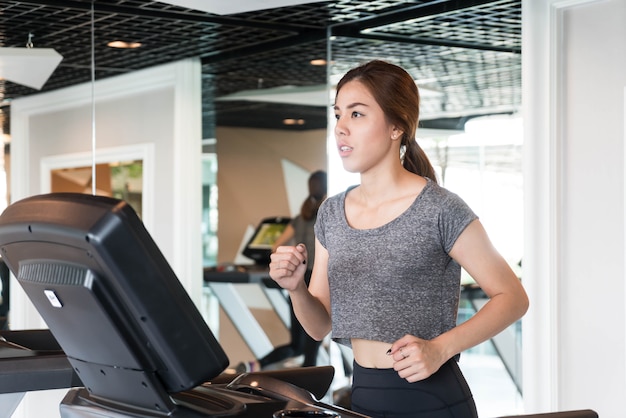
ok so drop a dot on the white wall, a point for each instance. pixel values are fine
(160, 106)
(574, 77)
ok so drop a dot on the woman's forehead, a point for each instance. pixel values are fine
(354, 92)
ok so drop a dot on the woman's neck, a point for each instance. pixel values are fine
(376, 188)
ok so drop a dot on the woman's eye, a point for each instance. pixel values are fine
(356, 114)
(336, 116)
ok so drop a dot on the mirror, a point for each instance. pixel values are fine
(120, 179)
(119, 173)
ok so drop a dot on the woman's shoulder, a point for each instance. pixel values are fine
(443, 200)
(338, 198)
(434, 190)
(333, 205)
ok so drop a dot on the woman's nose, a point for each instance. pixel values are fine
(340, 128)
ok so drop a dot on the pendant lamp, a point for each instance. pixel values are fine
(29, 66)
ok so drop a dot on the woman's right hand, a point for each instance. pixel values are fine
(288, 266)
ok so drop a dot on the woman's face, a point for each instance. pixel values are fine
(363, 134)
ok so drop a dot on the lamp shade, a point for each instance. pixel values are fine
(222, 7)
(30, 67)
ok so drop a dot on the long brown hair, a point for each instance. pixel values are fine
(396, 93)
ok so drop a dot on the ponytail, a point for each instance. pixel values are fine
(416, 161)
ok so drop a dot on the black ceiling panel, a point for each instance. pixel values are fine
(465, 55)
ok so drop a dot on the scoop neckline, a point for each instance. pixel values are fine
(429, 183)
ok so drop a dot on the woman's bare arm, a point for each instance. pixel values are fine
(311, 305)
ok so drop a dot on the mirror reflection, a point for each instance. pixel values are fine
(121, 180)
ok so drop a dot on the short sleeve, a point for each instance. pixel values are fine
(455, 216)
(322, 214)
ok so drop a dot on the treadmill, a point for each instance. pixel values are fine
(223, 285)
(134, 339)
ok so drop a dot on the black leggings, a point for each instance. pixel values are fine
(381, 393)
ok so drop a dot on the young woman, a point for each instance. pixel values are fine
(388, 259)
(301, 230)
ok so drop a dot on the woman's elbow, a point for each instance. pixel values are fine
(319, 334)
(522, 303)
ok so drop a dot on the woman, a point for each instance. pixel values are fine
(300, 230)
(388, 258)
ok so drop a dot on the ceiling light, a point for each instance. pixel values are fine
(293, 121)
(124, 44)
(30, 67)
(318, 61)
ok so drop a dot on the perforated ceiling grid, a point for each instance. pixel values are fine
(466, 55)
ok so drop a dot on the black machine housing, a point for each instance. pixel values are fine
(126, 324)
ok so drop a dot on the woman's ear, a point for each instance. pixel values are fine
(396, 134)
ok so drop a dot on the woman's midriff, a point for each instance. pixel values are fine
(372, 354)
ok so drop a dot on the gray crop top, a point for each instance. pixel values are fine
(396, 279)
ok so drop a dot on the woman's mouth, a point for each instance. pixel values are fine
(344, 150)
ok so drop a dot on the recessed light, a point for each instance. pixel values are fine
(293, 121)
(124, 44)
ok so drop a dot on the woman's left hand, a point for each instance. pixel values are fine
(416, 359)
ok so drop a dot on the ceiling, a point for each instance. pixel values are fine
(464, 54)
